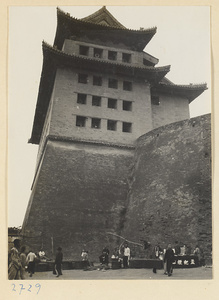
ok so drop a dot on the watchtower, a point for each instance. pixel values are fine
(99, 92)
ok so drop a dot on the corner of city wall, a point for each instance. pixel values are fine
(170, 186)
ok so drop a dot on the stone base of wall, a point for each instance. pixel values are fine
(79, 195)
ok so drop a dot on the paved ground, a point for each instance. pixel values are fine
(200, 273)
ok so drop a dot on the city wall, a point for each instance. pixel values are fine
(79, 195)
(170, 192)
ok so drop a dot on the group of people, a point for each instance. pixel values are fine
(168, 255)
(122, 254)
(19, 262)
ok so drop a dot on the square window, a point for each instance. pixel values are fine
(95, 123)
(82, 98)
(82, 78)
(97, 80)
(111, 125)
(112, 103)
(155, 100)
(80, 121)
(126, 127)
(126, 57)
(112, 55)
(83, 50)
(96, 101)
(113, 83)
(127, 86)
(127, 105)
(98, 53)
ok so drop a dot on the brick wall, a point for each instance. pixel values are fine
(72, 47)
(79, 194)
(171, 109)
(170, 193)
(65, 108)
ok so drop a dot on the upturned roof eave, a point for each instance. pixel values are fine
(63, 56)
(191, 91)
(68, 26)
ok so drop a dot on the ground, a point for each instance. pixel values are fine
(201, 273)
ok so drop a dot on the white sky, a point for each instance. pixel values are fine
(182, 41)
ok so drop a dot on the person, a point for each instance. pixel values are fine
(126, 256)
(23, 259)
(106, 254)
(31, 257)
(58, 261)
(157, 251)
(42, 255)
(156, 254)
(84, 255)
(14, 261)
(169, 259)
(197, 253)
(183, 250)
(104, 257)
(115, 254)
(177, 248)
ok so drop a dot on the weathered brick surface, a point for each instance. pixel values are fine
(81, 192)
(65, 108)
(170, 192)
(170, 110)
(79, 195)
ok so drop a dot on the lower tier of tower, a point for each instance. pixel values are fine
(88, 196)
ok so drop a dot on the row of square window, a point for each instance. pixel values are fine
(111, 102)
(112, 55)
(98, 53)
(112, 82)
(96, 123)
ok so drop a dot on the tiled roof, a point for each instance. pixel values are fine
(103, 17)
(190, 91)
(86, 20)
(87, 59)
(69, 26)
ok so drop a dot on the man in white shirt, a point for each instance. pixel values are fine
(31, 262)
(126, 255)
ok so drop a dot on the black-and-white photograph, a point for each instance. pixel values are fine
(109, 143)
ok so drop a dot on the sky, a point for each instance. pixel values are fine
(182, 41)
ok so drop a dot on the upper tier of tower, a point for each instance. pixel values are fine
(102, 26)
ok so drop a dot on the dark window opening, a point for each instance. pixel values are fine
(83, 50)
(97, 80)
(82, 78)
(155, 100)
(113, 83)
(112, 103)
(127, 86)
(112, 55)
(80, 121)
(127, 105)
(126, 57)
(98, 53)
(126, 127)
(111, 125)
(95, 123)
(96, 101)
(82, 98)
